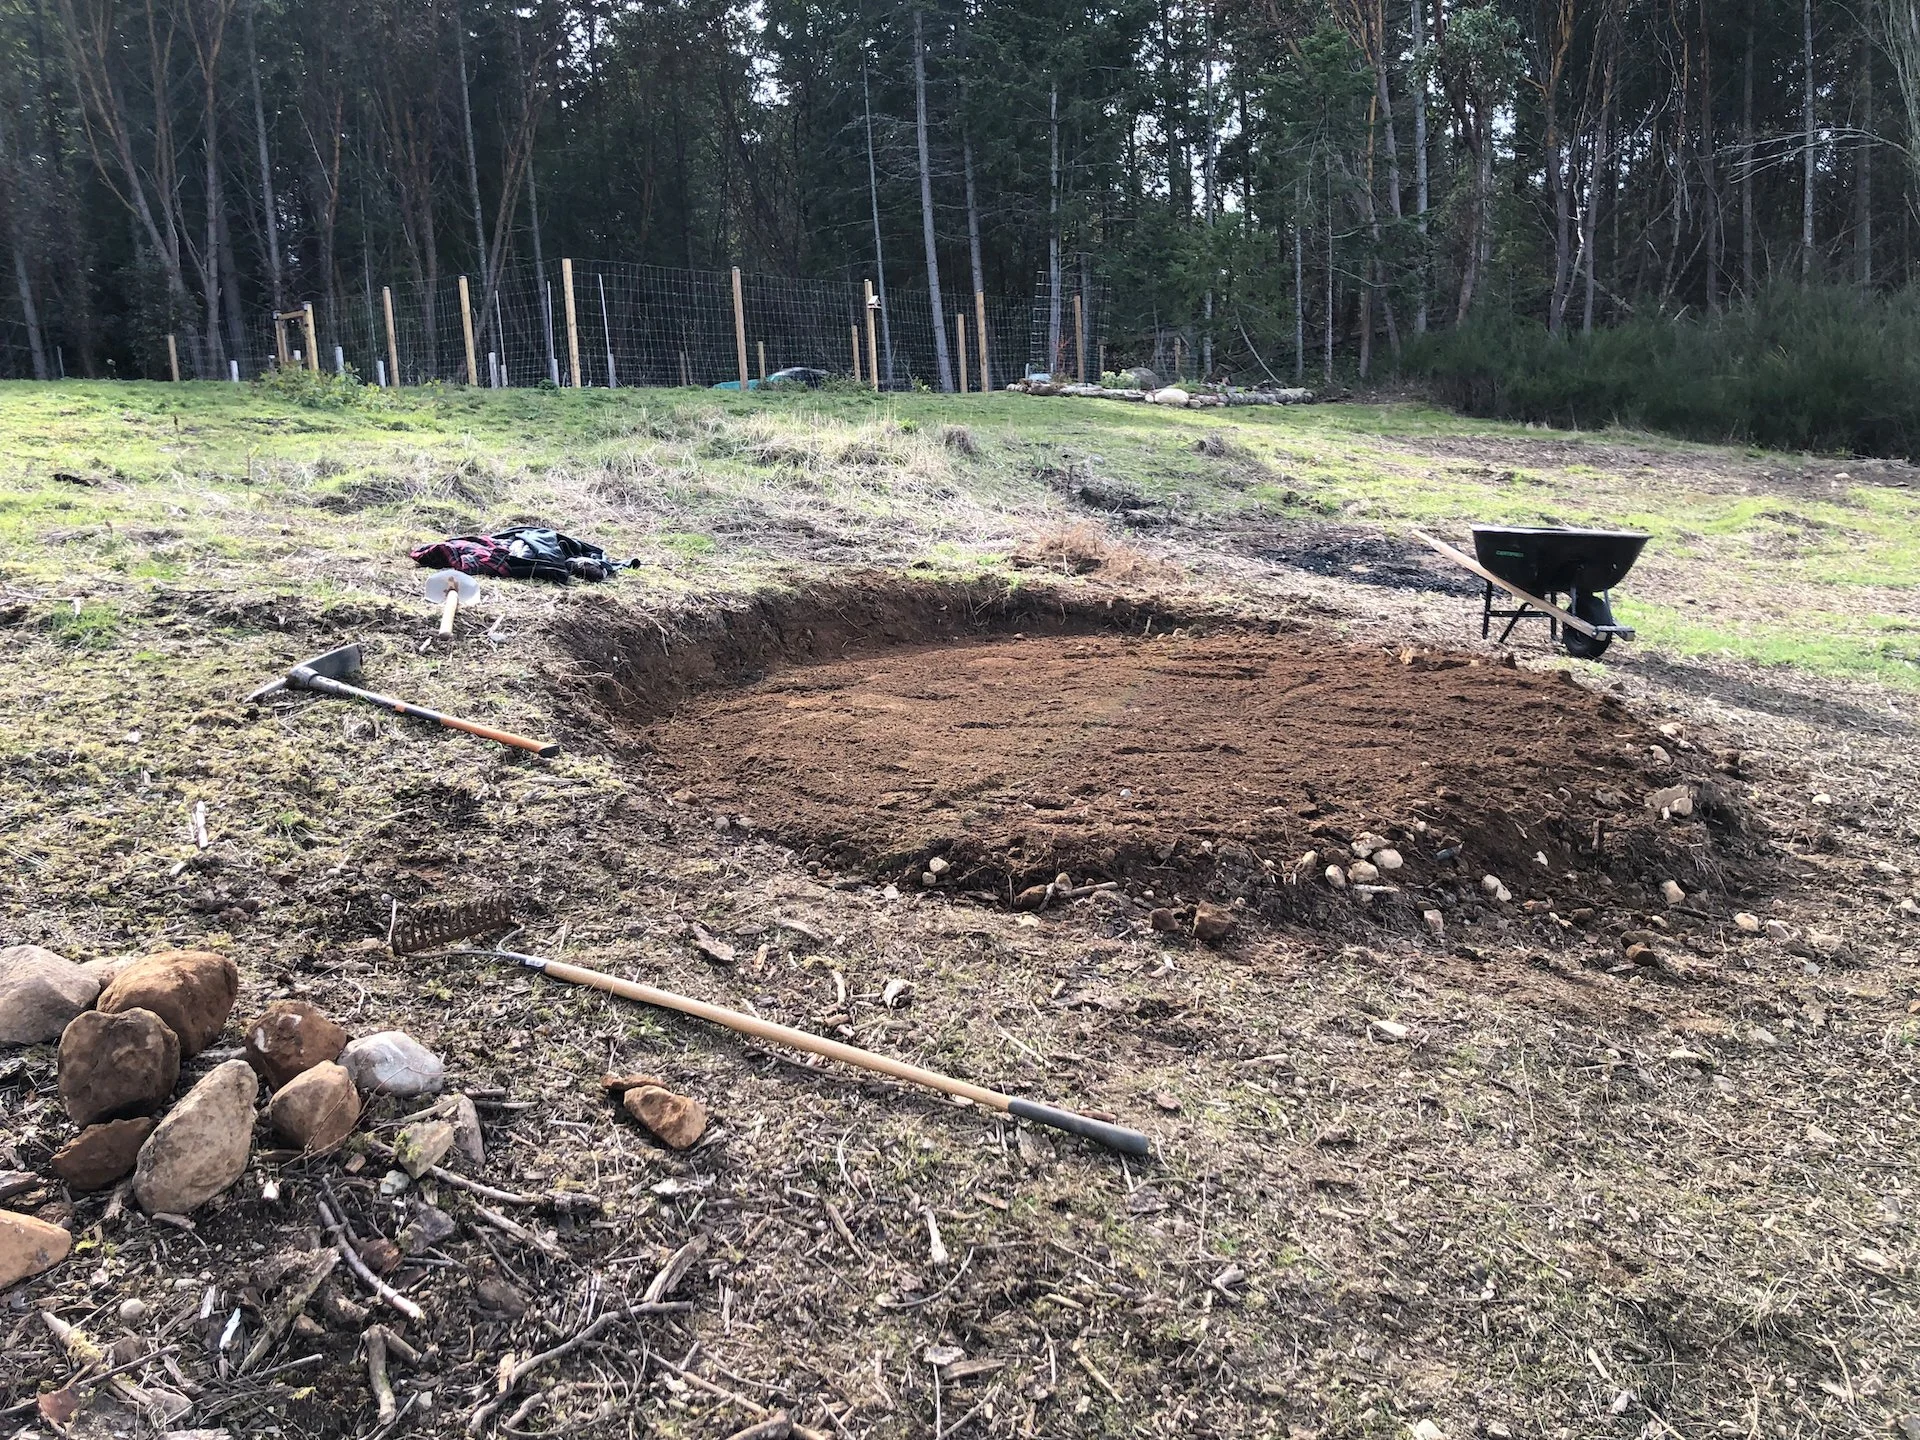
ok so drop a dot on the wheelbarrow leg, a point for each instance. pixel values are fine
(1486, 611)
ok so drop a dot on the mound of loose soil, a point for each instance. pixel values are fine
(1198, 764)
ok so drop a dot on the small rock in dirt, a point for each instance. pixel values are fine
(201, 1147)
(928, 879)
(1671, 892)
(113, 1066)
(1365, 844)
(495, 1298)
(316, 1109)
(1779, 930)
(39, 993)
(1427, 1430)
(392, 1062)
(938, 865)
(674, 1119)
(1363, 872)
(291, 1036)
(1336, 877)
(428, 1228)
(1746, 923)
(132, 1311)
(1674, 800)
(618, 1085)
(1389, 1029)
(1212, 922)
(1063, 881)
(1764, 1038)
(1166, 1102)
(1660, 755)
(379, 1254)
(29, 1247)
(422, 1145)
(192, 990)
(1826, 945)
(1169, 395)
(101, 1155)
(1436, 922)
(1161, 919)
(1388, 859)
(895, 993)
(1032, 898)
(467, 1136)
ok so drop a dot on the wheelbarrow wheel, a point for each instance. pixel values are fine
(1595, 611)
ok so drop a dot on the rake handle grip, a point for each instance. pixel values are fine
(448, 610)
(1115, 1137)
(326, 685)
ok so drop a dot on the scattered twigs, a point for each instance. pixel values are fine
(337, 1230)
(663, 1285)
(564, 1202)
(484, 1412)
(732, 1397)
(553, 1250)
(776, 1426)
(291, 1306)
(374, 1342)
(82, 1351)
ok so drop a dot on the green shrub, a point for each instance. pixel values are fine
(1814, 368)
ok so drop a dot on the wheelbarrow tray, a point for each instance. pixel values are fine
(1557, 561)
(1530, 601)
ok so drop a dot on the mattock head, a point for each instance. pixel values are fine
(442, 583)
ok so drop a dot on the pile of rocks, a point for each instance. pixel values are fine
(125, 1029)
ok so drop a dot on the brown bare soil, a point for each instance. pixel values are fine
(1196, 763)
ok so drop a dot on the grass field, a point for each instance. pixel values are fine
(1515, 1183)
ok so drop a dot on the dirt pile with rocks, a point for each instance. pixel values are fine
(1244, 766)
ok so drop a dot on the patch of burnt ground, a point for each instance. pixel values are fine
(1364, 557)
(1019, 738)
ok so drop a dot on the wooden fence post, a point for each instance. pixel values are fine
(466, 329)
(873, 347)
(853, 334)
(686, 376)
(280, 340)
(313, 340)
(573, 329)
(173, 358)
(393, 343)
(960, 346)
(740, 328)
(980, 319)
(762, 345)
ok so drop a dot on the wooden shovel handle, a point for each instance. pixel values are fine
(448, 610)
(545, 749)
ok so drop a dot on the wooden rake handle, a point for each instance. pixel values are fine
(1114, 1137)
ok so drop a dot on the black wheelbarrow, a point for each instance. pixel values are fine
(1538, 564)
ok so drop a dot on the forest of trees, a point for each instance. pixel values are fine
(1290, 186)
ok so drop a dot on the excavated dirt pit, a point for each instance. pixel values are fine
(1202, 765)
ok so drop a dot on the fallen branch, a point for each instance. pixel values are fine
(551, 1249)
(565, 1202)
(720, 1392)
(375, 1343)
(291, 1307)
(662, 1286)
(776, 1426)
(337, 1231)
(485, 1412)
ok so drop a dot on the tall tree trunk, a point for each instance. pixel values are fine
(1209, 161)
(1589, 221)
(1746, 163)
(1806, 191)
(973, 219)
(268, 225)
(230, 283)
(879, 259)
(1710, 193)
(1299, 285)
(1863, 156)
(1053, 228)
(13, 176)
(466, 123)
(942, 363)
(1420, 155)
(1328, 329)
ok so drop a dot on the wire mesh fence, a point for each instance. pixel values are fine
(611, 323)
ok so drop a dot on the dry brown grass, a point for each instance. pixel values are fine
(1083, 548)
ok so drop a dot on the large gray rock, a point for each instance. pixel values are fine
(392, 1062)
(201, 1147)
(39, 993)
(112, 1066)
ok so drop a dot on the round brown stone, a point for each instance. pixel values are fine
(102, 1154)
(674, 1119)
(192, 990)
(112, 1066)
(291, 1036)
(317, 1109)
